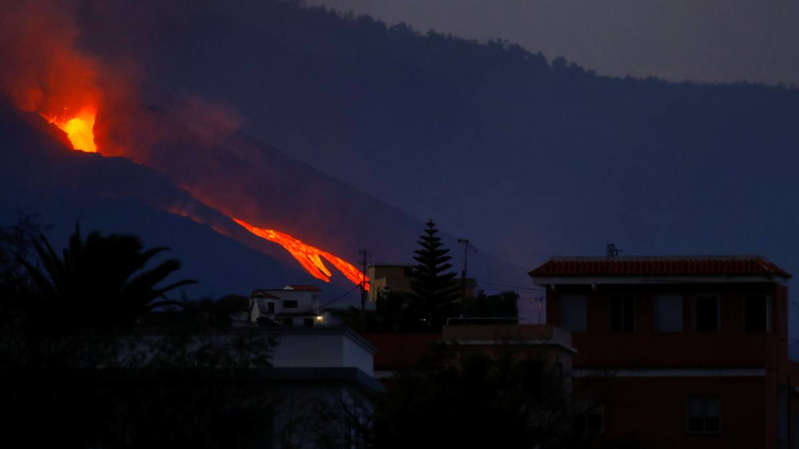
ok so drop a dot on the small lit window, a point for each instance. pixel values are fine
(703, 415)
(622, 314)
(668, 313)
(572, 313)
(758, 313)
(707, 314)
(290, 304)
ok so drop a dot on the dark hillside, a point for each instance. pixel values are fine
(530, 157)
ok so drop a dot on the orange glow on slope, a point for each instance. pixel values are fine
(308, 256)
(79, 129)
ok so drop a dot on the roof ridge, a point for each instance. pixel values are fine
(730, 265)
(645, 257)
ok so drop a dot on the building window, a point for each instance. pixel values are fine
(707, 313)
(622, 314)
(668, 313)
(703, 415)
(290, 304)
(758, 312)
(270, 306)
(572, 313)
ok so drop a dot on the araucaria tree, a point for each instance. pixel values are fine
(433, 284)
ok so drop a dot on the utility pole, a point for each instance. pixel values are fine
(465, 243)
(363, 253)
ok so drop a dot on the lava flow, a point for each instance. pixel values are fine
(308, 256)
(79, 129)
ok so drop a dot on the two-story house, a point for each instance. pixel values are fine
(292, 305)
(688, 352)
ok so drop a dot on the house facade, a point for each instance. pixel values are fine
(290, 306)
(687, 352)
(387, 278)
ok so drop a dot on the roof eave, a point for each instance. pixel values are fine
(655, 279)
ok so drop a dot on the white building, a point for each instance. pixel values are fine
(290, 306)
(321, 369)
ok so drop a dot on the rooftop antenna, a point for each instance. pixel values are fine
(612, 251)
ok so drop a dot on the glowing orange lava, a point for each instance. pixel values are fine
(79, 129)
(308, 256)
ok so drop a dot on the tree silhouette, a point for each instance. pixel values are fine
(100, 283)
(433, 285)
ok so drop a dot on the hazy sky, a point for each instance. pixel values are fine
(707, 40)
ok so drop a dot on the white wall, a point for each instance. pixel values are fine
(353, 354)
(307, 348)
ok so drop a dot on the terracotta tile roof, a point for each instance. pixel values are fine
(659, 266)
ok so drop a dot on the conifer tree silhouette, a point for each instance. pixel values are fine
(432, 283)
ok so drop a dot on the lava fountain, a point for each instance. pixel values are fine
(79, 129)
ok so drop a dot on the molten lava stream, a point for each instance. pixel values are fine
(308, 256)
(79, 129)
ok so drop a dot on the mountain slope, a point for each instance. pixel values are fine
(39, 175)
(528, 157)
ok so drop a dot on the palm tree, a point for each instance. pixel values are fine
(100, 283)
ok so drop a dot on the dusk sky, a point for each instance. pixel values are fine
(709, 40)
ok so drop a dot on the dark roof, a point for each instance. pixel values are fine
(263, 294)
(303, 288)
(659, 266)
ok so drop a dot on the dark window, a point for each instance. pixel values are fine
(572, 313)
(290, 304)
(308, 322)
(757, 314)
(707, 313)
(668, 313)
(703, 415)
(622, 314)
(270, 307)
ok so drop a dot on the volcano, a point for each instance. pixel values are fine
(42, 174)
